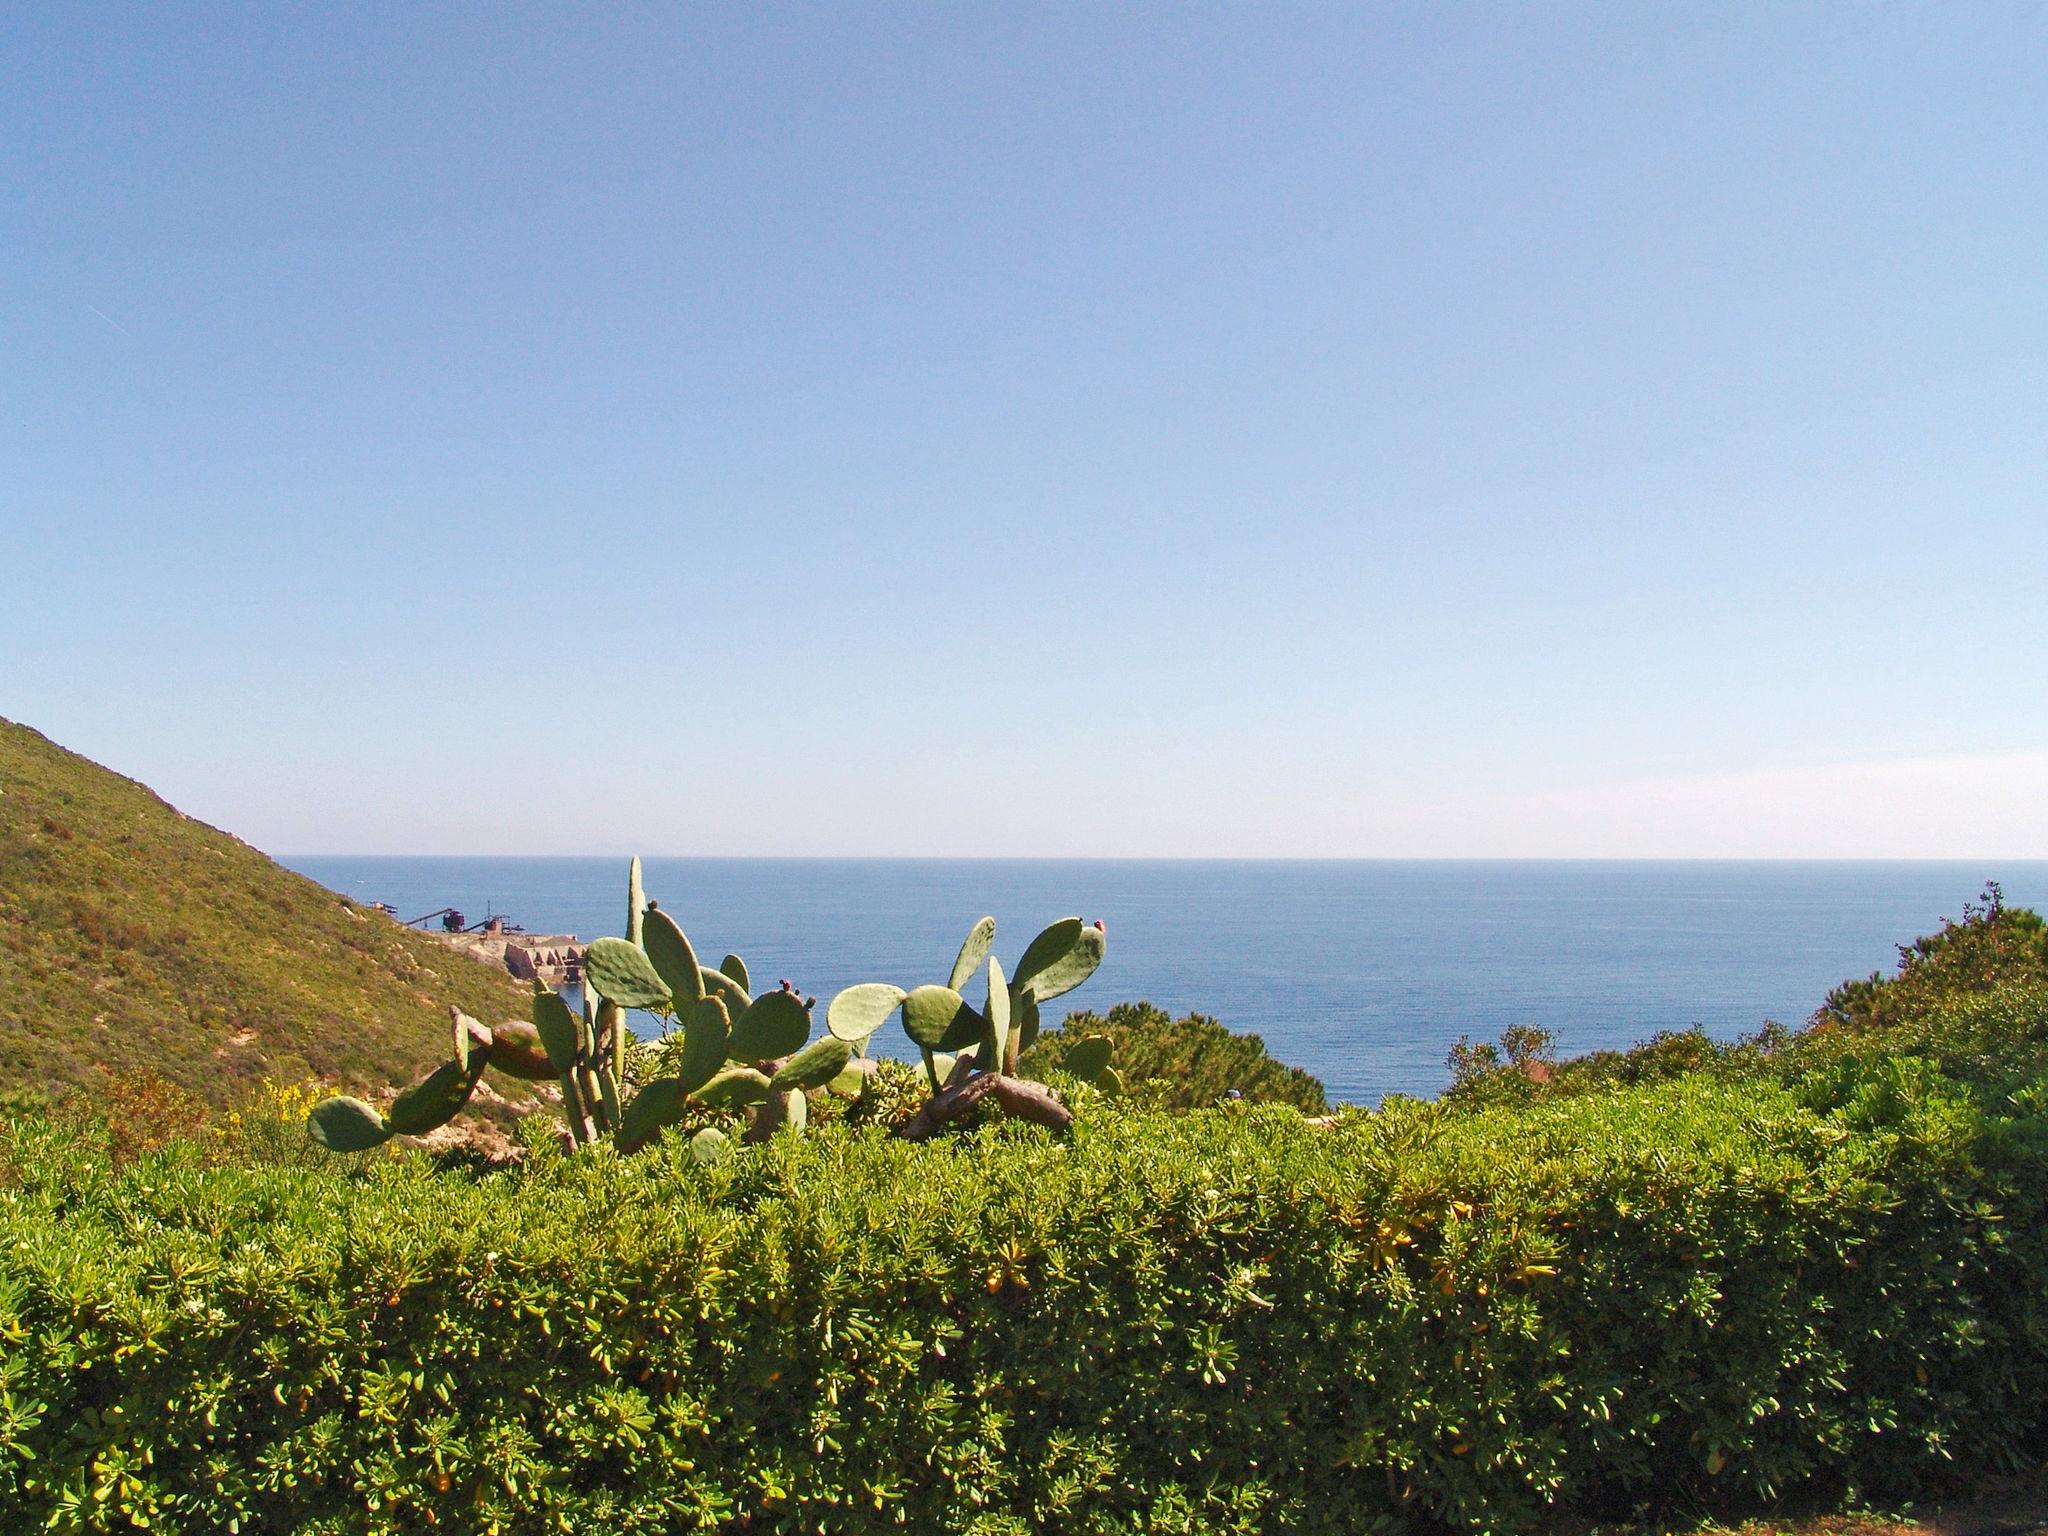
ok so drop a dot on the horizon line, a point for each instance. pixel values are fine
(1204, 858)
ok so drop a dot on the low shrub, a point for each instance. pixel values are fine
(1669, 1295)
(1523, 1069)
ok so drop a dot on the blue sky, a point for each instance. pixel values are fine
(1024, 430)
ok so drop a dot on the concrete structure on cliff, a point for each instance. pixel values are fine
(553, 958)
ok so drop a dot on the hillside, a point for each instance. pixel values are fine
(135, 938)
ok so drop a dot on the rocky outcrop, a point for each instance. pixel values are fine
(552, 958)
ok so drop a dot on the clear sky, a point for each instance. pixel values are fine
(978, 429)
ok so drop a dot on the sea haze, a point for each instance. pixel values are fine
(1362, 972)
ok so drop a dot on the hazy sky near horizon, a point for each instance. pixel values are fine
(1141, 430)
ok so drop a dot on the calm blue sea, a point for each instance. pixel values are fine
(1362, 972)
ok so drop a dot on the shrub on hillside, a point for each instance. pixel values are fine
(1972, 999)
(1185, 1063)
(1993, 947)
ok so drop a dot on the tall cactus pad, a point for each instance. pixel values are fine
(607, 1105)
(621, 973)
(576, 1110)
(344, 1124)
(704, 1044)
(774, 1025)
(674, 961)
(1060, 959)
(636, 901)
(859, 1011)
(816, 1064)
(468, 1033)
(996, 1030)
(611, 1025)
(980, 938)
(1024, 1016)
(558, 1030)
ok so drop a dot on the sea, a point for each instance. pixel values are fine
(1363, 972)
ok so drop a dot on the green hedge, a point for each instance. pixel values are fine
(1682, 1294)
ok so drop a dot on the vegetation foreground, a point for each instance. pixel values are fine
(1690, 1278)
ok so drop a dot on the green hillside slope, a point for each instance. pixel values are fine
(133, 937)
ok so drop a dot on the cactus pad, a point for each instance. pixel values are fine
(435, 1099)
(729, 992)
(468, 1032)
(816, 1064)
(1024, 1016)
(1060, 959)
(621, 973)
(1088, 1057)
(975, 950)
(668, 950)
(656, 1106)
(704, 1042)
(859, 1011)
(774, 1025)
(344, 1124)
(607, 1106)
(516, 1051)
(996, 1028)
(966, 1031)
(930, 1014)
(734, 1088)
(557, 1028)
(852, 1081)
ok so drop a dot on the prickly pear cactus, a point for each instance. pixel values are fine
(969, 1054)
(738, 1056)
(346, 1124)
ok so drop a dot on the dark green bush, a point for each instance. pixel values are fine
(1994, 947)
(1670, 1295)
(1187, 1063)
